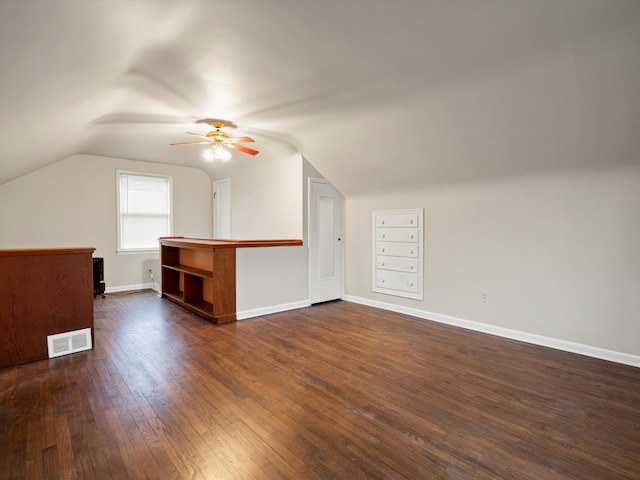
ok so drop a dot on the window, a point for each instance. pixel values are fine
(144, 211)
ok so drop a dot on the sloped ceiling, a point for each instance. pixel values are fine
(375, 94)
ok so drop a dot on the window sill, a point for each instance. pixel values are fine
(138, 251)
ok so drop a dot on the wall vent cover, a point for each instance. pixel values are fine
(69, 342)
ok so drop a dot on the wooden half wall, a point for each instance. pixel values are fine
(42, 292)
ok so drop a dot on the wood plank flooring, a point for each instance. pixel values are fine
(335, 391)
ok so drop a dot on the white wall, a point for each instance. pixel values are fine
(266, 195)
(270, 279)
(276, 276)
(267, 203)
(73, 203)
(559, 254)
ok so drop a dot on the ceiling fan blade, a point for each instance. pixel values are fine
(197, 134)
(241, 139)
(250, 151)
(189, 143)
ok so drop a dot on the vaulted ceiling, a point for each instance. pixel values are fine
(375, 94)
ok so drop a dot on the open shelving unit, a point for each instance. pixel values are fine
(191, 294)
(201, 278)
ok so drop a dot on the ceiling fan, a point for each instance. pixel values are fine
(218, 140)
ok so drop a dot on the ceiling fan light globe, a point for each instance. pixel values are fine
(221, 153)
(209, 154)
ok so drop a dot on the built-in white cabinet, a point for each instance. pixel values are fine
(398, 247)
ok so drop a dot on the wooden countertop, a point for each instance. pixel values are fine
(216, 243)
(12, 252)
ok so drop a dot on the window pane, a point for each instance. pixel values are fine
(145, 208)
(143, 231)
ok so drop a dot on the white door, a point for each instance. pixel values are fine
(222, 208)
(325, 242)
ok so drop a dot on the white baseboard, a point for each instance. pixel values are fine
(129, 288)
(581, 349)
(257, 312)
(596, 352)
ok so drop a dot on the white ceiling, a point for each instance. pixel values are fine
(375, 94)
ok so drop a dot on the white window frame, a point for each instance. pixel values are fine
(129, 251)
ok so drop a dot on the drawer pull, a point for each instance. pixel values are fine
(411, 221)
(410, 267)
(381, 222)
(410, 284)
(382, 250)
(410, 250)
(382, 280)
(411, 235)
(382, 264)
(382, 235)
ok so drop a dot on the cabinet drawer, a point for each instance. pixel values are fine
(397, 263)
(397, 249)
(404, 282)
(397, 220)
(397, 234)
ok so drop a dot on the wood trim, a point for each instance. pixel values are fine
(13, 252)
(212, 242)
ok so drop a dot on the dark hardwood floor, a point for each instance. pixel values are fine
(338, 390)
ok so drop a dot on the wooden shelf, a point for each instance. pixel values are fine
(198, 272)
(176, 295)
(202, 308)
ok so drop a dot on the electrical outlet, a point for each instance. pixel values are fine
(484, 296)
